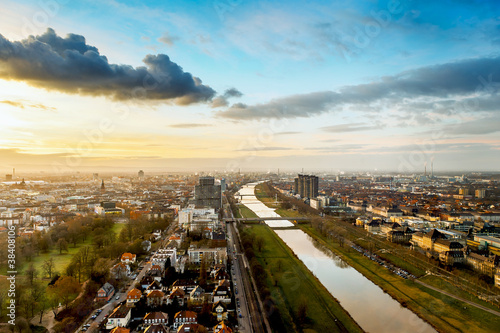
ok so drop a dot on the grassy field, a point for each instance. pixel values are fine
(291, 283)
(117, 228)
(60, 260)
(245, 211)
(444, 313)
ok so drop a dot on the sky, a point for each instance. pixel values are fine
(233, 85)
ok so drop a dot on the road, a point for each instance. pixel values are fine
(252, 319)
(108, 308)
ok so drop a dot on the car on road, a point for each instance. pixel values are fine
(240, 315)
(117, 297)
(83, 329)
(93, 316)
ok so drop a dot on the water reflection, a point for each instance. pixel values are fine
(373, 309)
(339, 262)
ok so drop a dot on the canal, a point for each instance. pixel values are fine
(372, 308)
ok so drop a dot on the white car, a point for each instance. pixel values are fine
(117, 297)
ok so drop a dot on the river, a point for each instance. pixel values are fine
(373, 309)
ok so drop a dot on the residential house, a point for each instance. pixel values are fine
(197, 295)
(186, 285)
(155, 274)
(156, 328)
(119, 317)
(120, 271)
(155, 285)
(222, 328)
(146, 281)
(220, 310)
(221, 293)
(155, 298)
(156, 317)
(133, 296)
(105, 292)
(185, 317)
(179, 294)
(128, 258)
(119, 329)
(189, 328)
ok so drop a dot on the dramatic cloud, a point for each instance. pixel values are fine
(304, 105)
(70, 65)
(222, 100)
(190, 125)
(472, 78)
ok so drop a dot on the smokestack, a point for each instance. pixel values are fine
(13, 173)
(425, 169)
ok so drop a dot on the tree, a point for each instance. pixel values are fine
(31, 273)
(65, 288)
(259, 242)
(48, 267)
(22, 325)
(302, 311)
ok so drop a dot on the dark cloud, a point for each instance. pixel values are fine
(303, 105)
(190, 125)
(168, 39)
(222, 100)
(70, 65)
(354, 127)
(454, 81)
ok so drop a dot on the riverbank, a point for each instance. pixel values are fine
(293, 286)
(444, 313)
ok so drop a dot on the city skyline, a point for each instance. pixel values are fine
(230, 85)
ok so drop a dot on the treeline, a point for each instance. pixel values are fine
(286, 202)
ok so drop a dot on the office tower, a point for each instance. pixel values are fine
(223, 185)
(207, 194)
(306, 186)
(140, 174)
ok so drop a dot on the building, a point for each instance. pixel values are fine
(220, 310)
(120, 317)
(128, 258)
(133, 296)
(105, 292)
(185, 317)
(140, 174)
(222, 328)
(435, 243)
(485, 265)
(119, 329)
(155, 298)
(480, 194)
(306, 186)
(156, 317)
(156, 328)
(212, 256)
(207, 194)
